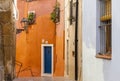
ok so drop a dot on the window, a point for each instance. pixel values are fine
(72, 11)
(67, 57)
(105, 30)
(57, 14)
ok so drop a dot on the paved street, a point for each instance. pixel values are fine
(43, 79)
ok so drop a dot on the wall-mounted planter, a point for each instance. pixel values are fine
(26, 22)
(55, 15)
(31, 18)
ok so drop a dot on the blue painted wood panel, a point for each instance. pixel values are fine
(48, 59)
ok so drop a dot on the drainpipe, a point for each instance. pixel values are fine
(76, 42)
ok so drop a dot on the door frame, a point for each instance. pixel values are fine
(42, 59)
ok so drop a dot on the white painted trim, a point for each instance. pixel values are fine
(42, 59)
(31, 12)
(15, 10)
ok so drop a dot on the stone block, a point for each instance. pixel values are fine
(8, 40)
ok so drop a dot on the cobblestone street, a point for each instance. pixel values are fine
(43, 79)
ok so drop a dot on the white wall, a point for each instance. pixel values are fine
(112, 69)
(15, 10)
(80, 41)
(98, 69)
(92, 67)
(67, 26)
(69, 36)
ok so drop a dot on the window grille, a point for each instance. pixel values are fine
(105, 10)
(71, 12)
(105, 27)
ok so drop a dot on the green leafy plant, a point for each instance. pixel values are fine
(55, 13)
(31, 18)
(53, 16)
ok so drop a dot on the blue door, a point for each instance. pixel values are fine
(48, 59)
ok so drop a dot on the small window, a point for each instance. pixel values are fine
(57, 14)
(105, 30)
(72, 11)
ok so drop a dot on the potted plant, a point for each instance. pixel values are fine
(31, 18)
(55, 15)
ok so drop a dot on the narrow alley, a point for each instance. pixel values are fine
(43, 79)
(59, 40)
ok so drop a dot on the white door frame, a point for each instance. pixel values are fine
(42, 59)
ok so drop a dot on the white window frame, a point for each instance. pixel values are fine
(42, 59)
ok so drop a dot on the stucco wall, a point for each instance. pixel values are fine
(98, 69)
(70, 43)
(111, 68)
(93, 69)
(59, 70)
(80, 41)
(29, 45)
(66, 72)
(7, 40)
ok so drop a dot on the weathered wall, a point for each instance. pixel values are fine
(98, 69)
(59, 70)
(70, 43)
(80, 41)
(92, 67)
(111, 69)
(66, 38)
(7, 37)
(29, 45)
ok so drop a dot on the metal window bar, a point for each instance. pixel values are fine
(105, 39)
(105, 10)
(71, 11)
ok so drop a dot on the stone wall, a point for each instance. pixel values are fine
(7, 40)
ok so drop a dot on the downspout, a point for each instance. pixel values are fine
(76, 42)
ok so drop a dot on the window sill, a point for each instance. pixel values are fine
(104, 56)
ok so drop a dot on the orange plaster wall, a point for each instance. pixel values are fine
(28, 45)
(60, 42)
(28, 48)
